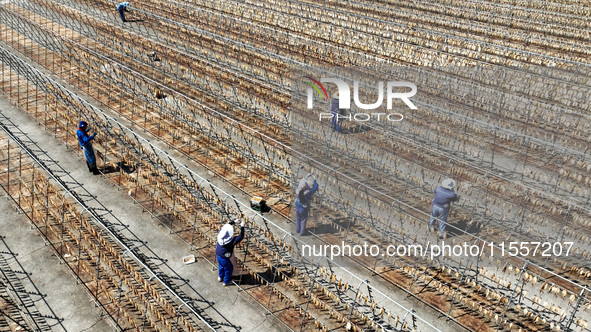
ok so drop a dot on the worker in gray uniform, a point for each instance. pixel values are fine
(306, 188)
(444, 196)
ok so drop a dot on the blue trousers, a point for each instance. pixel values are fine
(121, 14)
(301, 219)
(335, 123)
(89, 153)
(439, 212)
(225, 269)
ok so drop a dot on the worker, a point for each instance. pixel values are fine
(335, 111)
(153, 56)
(122, 8)
(444, 196)
(86, 145)
(225, 249)
(306, 188)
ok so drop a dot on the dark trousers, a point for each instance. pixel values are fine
(301, 219)
(122, 14)
(335, 123)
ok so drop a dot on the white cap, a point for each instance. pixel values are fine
(448, 184)
(225, 235)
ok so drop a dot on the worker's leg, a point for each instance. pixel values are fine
(435, 212)
(221, 269)
(122, 15)
(90, 158)
(333, 121)
(443, 221)
(89, 154)
(303, 220)
(298, 219)
(226, 269)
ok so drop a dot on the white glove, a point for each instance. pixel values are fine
(243, 223)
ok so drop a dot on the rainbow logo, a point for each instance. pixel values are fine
(316, 87)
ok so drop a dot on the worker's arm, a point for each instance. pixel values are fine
(240, 236)
(314, 188)
(454, 198)
(84, 139)
(89, 138)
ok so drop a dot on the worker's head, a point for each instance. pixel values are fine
(448, 184)
(225, 234)
(126, 4)
(335, 95)
(83, 126)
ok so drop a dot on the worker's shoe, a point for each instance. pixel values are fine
(219, 279)
(93, 169)
(225, 284)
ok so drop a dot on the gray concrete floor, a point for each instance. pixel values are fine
(202, 277)
(226, 307)
(68, 300)
(172, 248)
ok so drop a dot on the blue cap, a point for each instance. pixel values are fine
(82, 124)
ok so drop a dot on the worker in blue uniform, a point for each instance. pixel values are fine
(86, 145)
(444, 196)
(226, 241)
(306, 188)
(336, 112)
(122, 8)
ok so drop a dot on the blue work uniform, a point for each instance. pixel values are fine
(86, 145)
(303, 208)
(441, 206)
(224, 252)
(335, 111)
(122, 8)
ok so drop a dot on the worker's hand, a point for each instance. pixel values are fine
(92, 136)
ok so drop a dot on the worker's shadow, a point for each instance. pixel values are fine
(359, 129)
(462, 227)
(109, 169)
(270, 275)
(323, 229)
(136, 20)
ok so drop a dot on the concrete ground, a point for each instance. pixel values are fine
(67, 300)
(225, 307)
